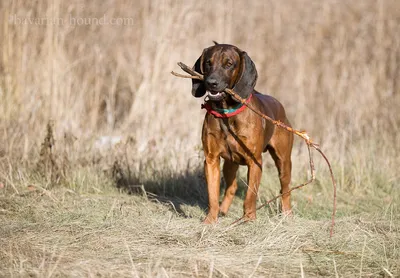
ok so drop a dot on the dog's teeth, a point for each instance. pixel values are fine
(213, 93)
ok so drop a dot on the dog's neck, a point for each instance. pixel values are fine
(225, 108)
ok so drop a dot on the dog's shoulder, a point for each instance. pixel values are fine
(267, 99)
(270, 104)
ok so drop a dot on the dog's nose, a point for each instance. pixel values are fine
(212, 83)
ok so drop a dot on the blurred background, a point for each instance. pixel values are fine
(99, 73)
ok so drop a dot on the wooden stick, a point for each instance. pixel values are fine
(302, 134)
(186, 76)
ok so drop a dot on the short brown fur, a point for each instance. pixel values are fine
(241, 139)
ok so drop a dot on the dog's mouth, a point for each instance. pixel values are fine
(215, 96)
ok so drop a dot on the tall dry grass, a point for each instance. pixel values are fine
(334, 65)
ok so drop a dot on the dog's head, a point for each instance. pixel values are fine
(224, 66)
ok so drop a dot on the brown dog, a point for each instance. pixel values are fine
(237, 134)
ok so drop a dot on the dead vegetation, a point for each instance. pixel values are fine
(118, 235)
(108, 93)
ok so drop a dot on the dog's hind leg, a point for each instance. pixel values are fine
(280, 149)
(229, 170)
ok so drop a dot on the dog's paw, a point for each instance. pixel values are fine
(249, 216)
(210, 219)
(287, 213)
(223, 211)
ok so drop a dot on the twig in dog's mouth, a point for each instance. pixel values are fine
(302, 134)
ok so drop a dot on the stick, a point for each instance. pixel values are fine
(186, 76)
(302, 134)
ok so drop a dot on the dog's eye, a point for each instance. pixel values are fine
(208, 63)
(228, 64)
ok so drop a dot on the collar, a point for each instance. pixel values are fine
(225, 113)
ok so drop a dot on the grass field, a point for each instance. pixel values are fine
(100, 155)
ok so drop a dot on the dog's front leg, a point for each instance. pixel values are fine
(253, 178)
(212, 172)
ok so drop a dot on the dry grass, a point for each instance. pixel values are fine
(335, 65)
(66, 234)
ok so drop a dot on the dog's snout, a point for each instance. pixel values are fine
(212, 83)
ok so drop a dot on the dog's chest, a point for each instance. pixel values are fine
(237, 142)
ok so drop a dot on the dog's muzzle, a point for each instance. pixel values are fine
(216, 96)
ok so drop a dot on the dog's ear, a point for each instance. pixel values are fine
(198, 87)
(247, 76)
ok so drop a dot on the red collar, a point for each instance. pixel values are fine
(225, 113)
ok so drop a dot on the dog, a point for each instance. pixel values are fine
(235, 133)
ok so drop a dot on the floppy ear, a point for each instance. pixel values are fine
(198, 87)
(247, 76)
